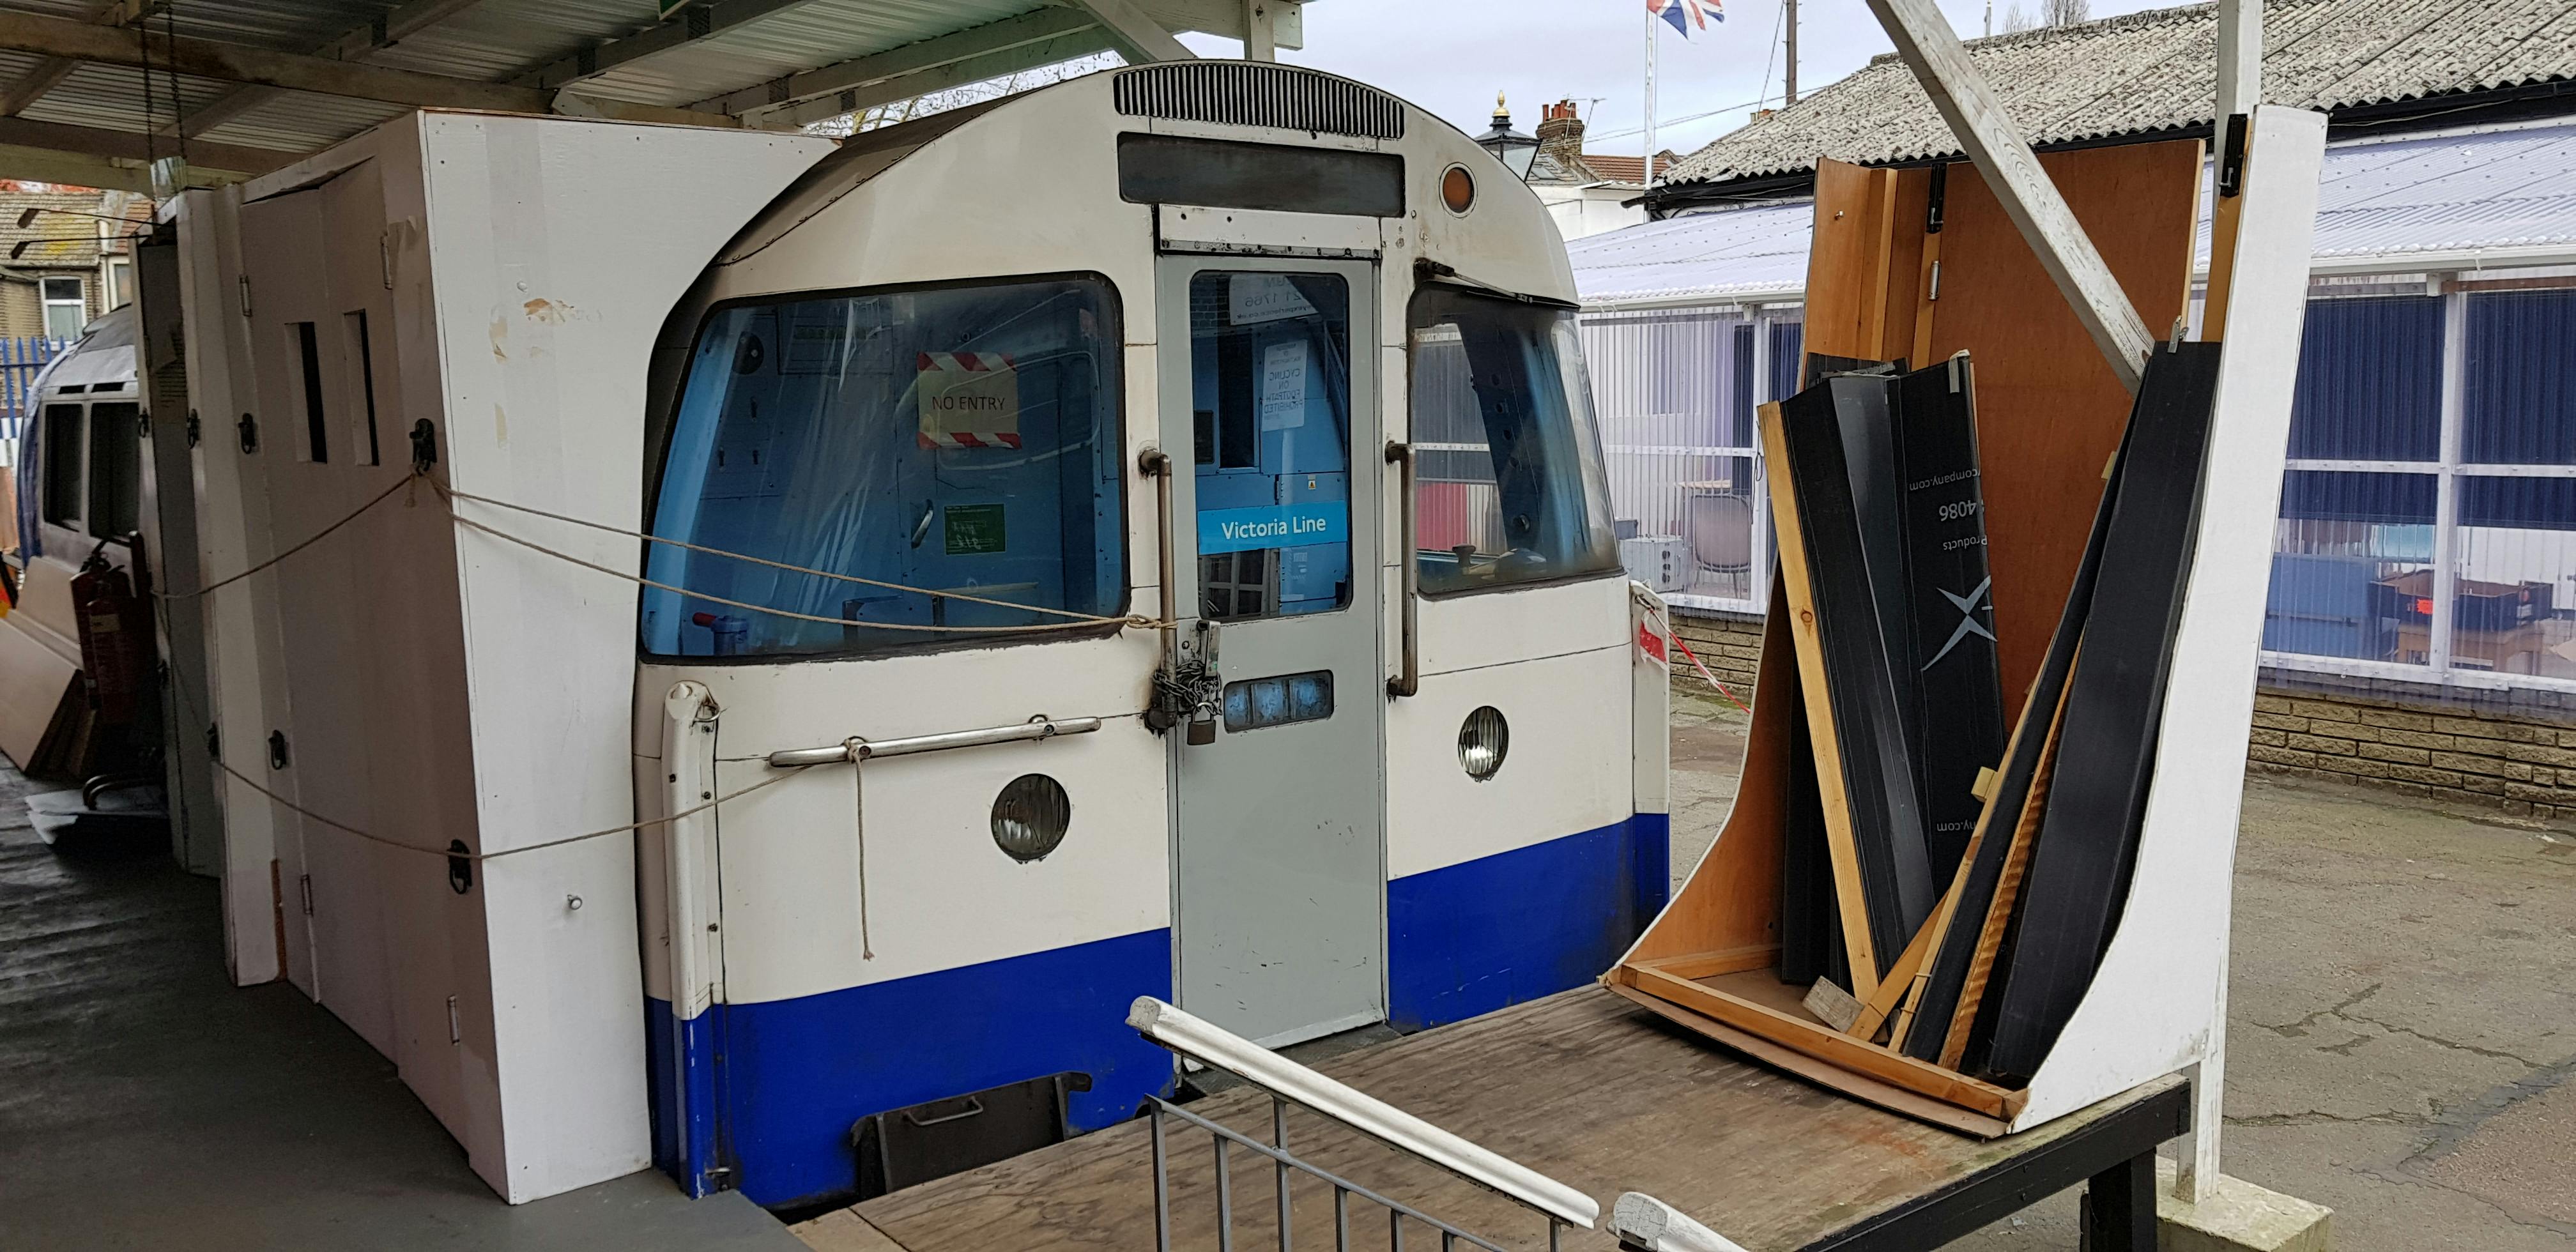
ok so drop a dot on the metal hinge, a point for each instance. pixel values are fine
(385, 254)
(304, 887)
(277, 749)
(196, 429)
(245, 295)
(249, 427)
(455, 1031)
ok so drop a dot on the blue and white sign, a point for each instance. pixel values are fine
(1274, 526)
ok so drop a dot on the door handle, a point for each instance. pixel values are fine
(1408, 679)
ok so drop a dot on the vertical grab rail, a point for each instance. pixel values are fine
(1408, 681)
(1155, 465)
(1287, 1082)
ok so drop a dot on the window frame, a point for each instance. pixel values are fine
(1113, 334)
(1413, 507)
(76, 519)
(47, 303)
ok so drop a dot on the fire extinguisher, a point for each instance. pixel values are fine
(115, 638)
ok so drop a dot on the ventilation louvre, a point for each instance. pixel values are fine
(1255, 93)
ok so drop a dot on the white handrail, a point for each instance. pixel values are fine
(1649, 1223)
(1180, 1032)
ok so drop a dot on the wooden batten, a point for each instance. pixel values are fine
(2050, 412)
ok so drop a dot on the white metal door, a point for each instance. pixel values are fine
(1269, 395)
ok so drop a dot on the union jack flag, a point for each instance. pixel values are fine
(1685, 14)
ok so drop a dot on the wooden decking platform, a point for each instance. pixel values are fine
(1583, 1086)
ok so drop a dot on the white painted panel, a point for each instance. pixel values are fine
(2158, 1002)
(1478, 629)
(1567, 769)
(548, 293)
(939, 893)
(212, 307)
(1251, 229)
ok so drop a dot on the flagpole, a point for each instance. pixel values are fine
(1650, 97)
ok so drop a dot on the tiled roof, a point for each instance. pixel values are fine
(1617, 169)
(59, 240)
(2156, 71)
(2495, 198)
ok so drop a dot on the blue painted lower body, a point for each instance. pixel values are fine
(772, 1090)
(1470, 938)
(797, 1074)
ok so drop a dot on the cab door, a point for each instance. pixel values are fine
(1269, 411)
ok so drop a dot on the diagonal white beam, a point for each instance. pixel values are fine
(1927, 45)
(1139, 38)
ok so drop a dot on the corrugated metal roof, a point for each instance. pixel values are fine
(2155, 71)
(2435, 200)
(1725, 254)
(494, 41)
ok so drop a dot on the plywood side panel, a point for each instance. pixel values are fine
(2049, 408)
(1848, 261)
(1732, 900)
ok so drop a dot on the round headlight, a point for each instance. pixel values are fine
(1482, 743)
(1458, 189)
(1030, 816)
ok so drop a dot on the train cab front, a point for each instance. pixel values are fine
(1143, 537)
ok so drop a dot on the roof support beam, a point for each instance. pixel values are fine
(206, 58)
(126, 145)
(108, 173)
(49, 73)
(694, 23)
(1080, 43)
(1927, 45)
(358, 43)
(1139, 38)
(915, 58)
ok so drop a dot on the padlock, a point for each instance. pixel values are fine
(1203, 724)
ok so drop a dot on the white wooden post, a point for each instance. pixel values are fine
(2265, 314)
(2240, 59)
(1260, 34)
(1928, 46)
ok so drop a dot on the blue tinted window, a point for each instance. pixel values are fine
(961, 440)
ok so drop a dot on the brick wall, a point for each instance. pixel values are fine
(1729, 644)
(2510, 750)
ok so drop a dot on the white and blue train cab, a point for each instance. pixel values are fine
(1235, 406)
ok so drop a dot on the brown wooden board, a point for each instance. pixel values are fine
(2049, 409)
(1583, 1086)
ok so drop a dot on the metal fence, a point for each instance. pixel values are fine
(20, 359)
(2427, 529)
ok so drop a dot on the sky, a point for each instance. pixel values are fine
(1451, 58)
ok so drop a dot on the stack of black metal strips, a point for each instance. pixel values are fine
(2021, 889)
(1883, 474)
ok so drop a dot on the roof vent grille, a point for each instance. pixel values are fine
(1255, 93)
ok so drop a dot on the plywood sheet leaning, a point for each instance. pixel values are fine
(2049, 410)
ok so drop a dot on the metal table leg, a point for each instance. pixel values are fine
(2120, 1213)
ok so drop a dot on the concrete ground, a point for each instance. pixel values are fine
(2402, 1010)
(145, 1102)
